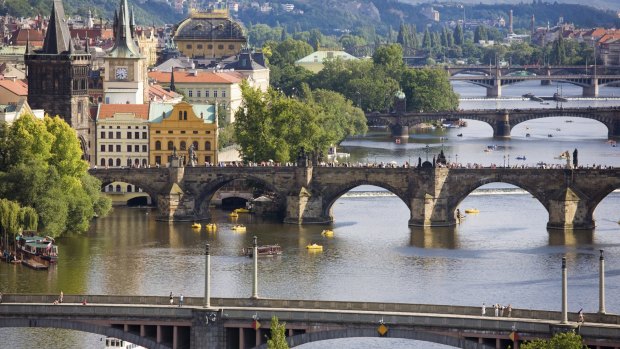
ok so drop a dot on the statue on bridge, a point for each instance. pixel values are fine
(575, 162)
(191, 155)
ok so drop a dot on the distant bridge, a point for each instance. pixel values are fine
(228, 323)
(501, 120)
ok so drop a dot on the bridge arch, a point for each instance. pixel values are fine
(132, 189)
(333, 194)
(81, 326)
(606, 120)
(424, 336)
(206, 191)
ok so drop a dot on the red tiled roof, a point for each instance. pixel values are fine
(109, 110)
(198, 77)
(17, 87)
(156, 91)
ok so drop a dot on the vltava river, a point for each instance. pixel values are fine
(503, 255)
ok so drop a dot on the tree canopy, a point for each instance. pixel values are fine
(568, 340)
(278, 335)
(41, 168)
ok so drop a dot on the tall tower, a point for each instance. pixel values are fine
(125, 68)
(510, 23)
(533, 28)
(58, 76)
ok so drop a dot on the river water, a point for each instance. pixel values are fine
(503, 255)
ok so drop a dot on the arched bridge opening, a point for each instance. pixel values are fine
(557, 121)
(128, 194)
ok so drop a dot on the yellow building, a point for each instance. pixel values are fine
(209, 34)
(175, 128)
(147, 42)
(122, 135)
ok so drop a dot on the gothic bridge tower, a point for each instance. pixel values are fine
(58, 76)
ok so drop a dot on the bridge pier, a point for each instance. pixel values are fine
(175, 204)
(429, 207)
(614, 130)
(570, 212)
(496, 90)
(592, 90)
(302, 205)
(399, 130)
(502, 126)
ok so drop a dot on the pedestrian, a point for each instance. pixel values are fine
(509, 310)
(496, 307)
(181, 300)
(484, 309)
(61, 296)
(171, 299)
(502, 311)
(580, 313)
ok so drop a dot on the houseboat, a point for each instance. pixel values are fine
(264, 250)
(37, 247)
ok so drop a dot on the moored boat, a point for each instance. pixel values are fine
(314, 247)
(328, 233)
(37, 247)
(240, 228)
(263, 251)
(522, 157)
(115, 343)
(472, 210)
(196, 226)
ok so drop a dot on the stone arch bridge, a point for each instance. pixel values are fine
(502, 121)
(305, 195)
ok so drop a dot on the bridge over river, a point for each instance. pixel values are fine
(502, 121)
(151, 322)
(304, 194)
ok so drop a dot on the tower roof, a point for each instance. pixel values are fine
(57, 37)
(124, 45)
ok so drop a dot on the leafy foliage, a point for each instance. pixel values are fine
(42, 168)
(568, 340)
(278, 335)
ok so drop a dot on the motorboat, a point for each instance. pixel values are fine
(549, 135)
(460, 135)
(314, 247)
(527, 135)
(472, 210)
(211, 226)
(328, 233)
(196, 226)
(115, 343)
(242, 210)
(521, 157)
(263, 251)
(239, 228)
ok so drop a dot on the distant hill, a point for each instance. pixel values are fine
(613, 5)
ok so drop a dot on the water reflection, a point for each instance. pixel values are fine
(434, 237)
(570, 237)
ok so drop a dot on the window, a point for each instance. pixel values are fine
(110, 162)
(198, 93)
(183, 145)
(210, 47)
(129, 162)
(118, 188)
(102, 162)
(214, 93)
(111, 135)
(207, 145)
(136, 135)
(118, 148)
(158, 159)
(129, 188)
(170, 145)
(184, 115)
(195, 144)
(180, 117)
(157, 132)
(118, 135)
(110, 148)
(170, 132)
(195, 132)
(191, 93)
(182, 132)
(136, 148)
(207, 93)
(103, 147)
(188, 46)
(143, 165)
(220, 47)
(208, 158)
(129, 135)
(144, 148)
(231, 47)
(118, 162)
(158, 145)
(199, 46)
(102, 135)
(144, 136)
(224, 93)
(129, 148)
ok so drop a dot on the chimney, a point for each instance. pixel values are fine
(510, 23)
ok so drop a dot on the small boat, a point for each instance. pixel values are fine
(240, 228)
(233, 214)
(115, 343)
(196, 226)
(242, 210)
(211, 226)
(527, 135)
(568, 120)
(263, 251)
(522, 157)
(472, 210)
(460, 135)
(42, 249)
(328, 233)
(549, 135)
(558, 129)
(314, 247)
(488, 150)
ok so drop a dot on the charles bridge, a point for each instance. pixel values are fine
(501, 121)
(304, 194)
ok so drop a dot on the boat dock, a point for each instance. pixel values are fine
(31, 263)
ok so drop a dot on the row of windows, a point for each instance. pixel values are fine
(135, 147)
(182, 145)
(118, 189)
(112, 162)
(210, 46)
(198, 93)
(118, 127)
(135, 135)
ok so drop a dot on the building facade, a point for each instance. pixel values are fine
(176, 128)
(58, 77)
(209, 34)
(122, 135)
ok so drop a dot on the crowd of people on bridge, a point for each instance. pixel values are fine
(499, 310)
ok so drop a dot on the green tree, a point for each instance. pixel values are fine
(568, 340)
(28, 218)
(278, 335)
(558, 51)
(428, 90)
(459, 37)
(288, 51)
(9, 220)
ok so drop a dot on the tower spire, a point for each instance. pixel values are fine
(172, 87)
(57, 38)
(124, 46)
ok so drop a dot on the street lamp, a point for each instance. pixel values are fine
(504, 160)
(508, 160)
(457, 159)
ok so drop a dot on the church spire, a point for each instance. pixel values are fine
(124, 46)
(172, 87)
(57, 37)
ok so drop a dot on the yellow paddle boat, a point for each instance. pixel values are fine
(211, 226)
(328, 233)
(472, 210)
(196, 226)
(242, 210)
(239, 228)
(314, 247)
(233, 214)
